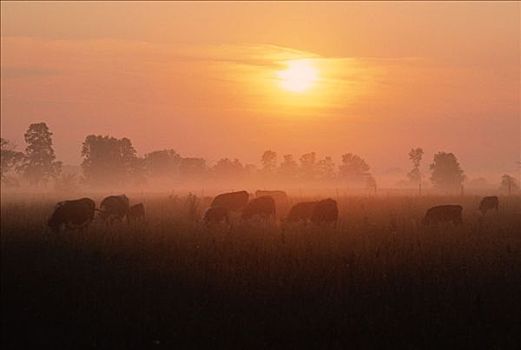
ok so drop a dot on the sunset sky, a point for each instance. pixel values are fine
(207, 79)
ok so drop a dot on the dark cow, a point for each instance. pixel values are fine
(232, 201)
(114, 208)
(216, 215)
(72, 214)
(443, 213)
(278, 196)
(488, 203)
(325, 212)
(301, 212)
(263, 207)
(136, 212)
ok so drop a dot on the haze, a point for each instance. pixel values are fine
(201, 78)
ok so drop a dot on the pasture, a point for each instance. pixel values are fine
(377, 280)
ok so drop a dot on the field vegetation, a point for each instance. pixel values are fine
(378, 280)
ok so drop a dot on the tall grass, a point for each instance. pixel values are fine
(377, 280)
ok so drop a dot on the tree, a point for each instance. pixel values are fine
(227, 168)
(353, 168)
(446, 172)
(415, 155)
(164, 163)
(509, 184)
(269, 162)
(39, 162)
(10, 158)
(326, 169)
(370, 183)
(288, 168)
(108, 160)
(192, 167)
(308, 166)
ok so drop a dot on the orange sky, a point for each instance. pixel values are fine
(200, 78)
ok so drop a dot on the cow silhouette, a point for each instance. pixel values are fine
(325, 212)
(488, 203)
(232, 201)
(301, 212)
(216, 215)
(136, 212)
(114, 208)
(72, 214)
(263, 207)
(443, 213)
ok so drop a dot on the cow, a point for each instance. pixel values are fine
(301, 212)
(280, 197)
(114, 208)
(263, 207)
(72, 214)
(216, 215)
(443, 213)
(232, 201)
(136, 212)
(325, 212)
(487, 203)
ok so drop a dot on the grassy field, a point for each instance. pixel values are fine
(378, 280)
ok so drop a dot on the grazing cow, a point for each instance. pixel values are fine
(263, 207)
(216, 215)
(280, 197)
(325, 212)
(73, 214)
(136, 212)
(114, 208)
(301, 212)
(443, 213)
(232, 201)
(487, 203)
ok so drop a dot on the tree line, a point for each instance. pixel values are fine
(109, 161)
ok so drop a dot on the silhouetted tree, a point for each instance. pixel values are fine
(370, 183)
(10, 158)
(138, 171)
(164, 163)
(326, 169)
(39, 163)
(288, 168)
(508, 184)
(415, 155)
(308, 170)
(269, 162)
(192, 167)
(227, 168)
(107, 160)
(353, 168)
(446, 172)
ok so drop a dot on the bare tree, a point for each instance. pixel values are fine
(415, 155)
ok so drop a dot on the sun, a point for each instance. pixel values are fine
(299, 76)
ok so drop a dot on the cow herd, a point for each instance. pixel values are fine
(79, 213)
